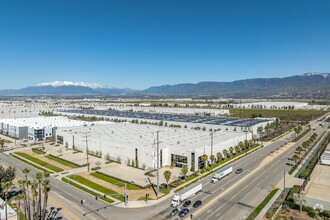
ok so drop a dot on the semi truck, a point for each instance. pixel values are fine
(221, 173)
(179, 198)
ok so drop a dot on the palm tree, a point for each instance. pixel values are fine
(231, 149)
(21, 184)
(299, 149)
(18, 198)
(27, 196)
(295, 157)
(212, 158)
(46, 189)
(184, 170)
(219, 156)
(225, 153)
(241, 145)
(6, 185)
(39, 176)
(34, 187)
(237, 149)
(167, 175)
(204, 159)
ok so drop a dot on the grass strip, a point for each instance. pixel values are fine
(86, 190)
(28, 162)
(258, 209)
(36, 151)
(97, 187)
(293, 169)
(114, 181)
(40, 162)
(64, 162)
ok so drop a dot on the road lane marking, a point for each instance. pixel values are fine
(140, 210)
(157, 213)
(262, 164)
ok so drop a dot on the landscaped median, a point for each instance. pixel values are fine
(39, 162)
(86, 190)
(114, 181)
(28, 162)
(258, 209)
(96, 186)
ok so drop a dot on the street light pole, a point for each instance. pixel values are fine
(157, 164)
(87, 153)
(212, 150)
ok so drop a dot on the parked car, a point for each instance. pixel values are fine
(186, 203)
(164, 185)
(175, 211)
(197, 203)
(239, 170)
(183, 212)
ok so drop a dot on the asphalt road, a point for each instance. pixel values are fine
(237, 203)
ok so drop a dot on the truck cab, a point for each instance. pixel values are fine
(214, 180)
(175, 201)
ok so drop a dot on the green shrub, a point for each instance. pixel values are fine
(312, 213)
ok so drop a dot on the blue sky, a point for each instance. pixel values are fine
(138, 44)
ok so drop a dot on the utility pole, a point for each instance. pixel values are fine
(125, 195)
(157, 164)
(212, 150)
(87, 153)
(284, 180)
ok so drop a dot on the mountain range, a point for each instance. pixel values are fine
(309, 85)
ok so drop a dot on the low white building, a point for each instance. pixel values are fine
(38, 128)
(138, 142)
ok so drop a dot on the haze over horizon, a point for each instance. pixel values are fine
(138, 44)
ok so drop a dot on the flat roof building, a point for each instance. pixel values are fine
(128, 141)
(38, 128)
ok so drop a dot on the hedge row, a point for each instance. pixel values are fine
(313, 161)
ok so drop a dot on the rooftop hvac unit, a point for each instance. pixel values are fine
(178, 142)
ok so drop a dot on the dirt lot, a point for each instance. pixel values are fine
(293, 215)
(137, 175)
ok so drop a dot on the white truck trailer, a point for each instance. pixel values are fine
(221, 173)
(179, 198)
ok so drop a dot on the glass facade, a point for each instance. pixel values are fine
(200, 163)
(193, 160)
(178, 160)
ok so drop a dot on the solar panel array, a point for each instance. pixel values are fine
(228, 121)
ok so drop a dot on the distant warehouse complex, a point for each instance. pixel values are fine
(127, 141)
(191, 121)
(38, 128)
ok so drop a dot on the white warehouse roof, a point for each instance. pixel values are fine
(127, 134)
(42, 122)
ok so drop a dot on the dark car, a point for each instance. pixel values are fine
(186, 203)
(175, 211)
(183, 212)
(239, 170)
(197, 203)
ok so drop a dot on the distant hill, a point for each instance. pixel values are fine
(65, 89)
(309, 85)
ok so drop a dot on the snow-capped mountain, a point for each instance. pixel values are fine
(66, 88)
(68, 83)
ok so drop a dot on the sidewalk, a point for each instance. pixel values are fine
(309, 155)
(269, 204)
(137, 204)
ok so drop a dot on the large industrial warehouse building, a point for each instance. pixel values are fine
(38, 128)
(191, 121)
(128, 141)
